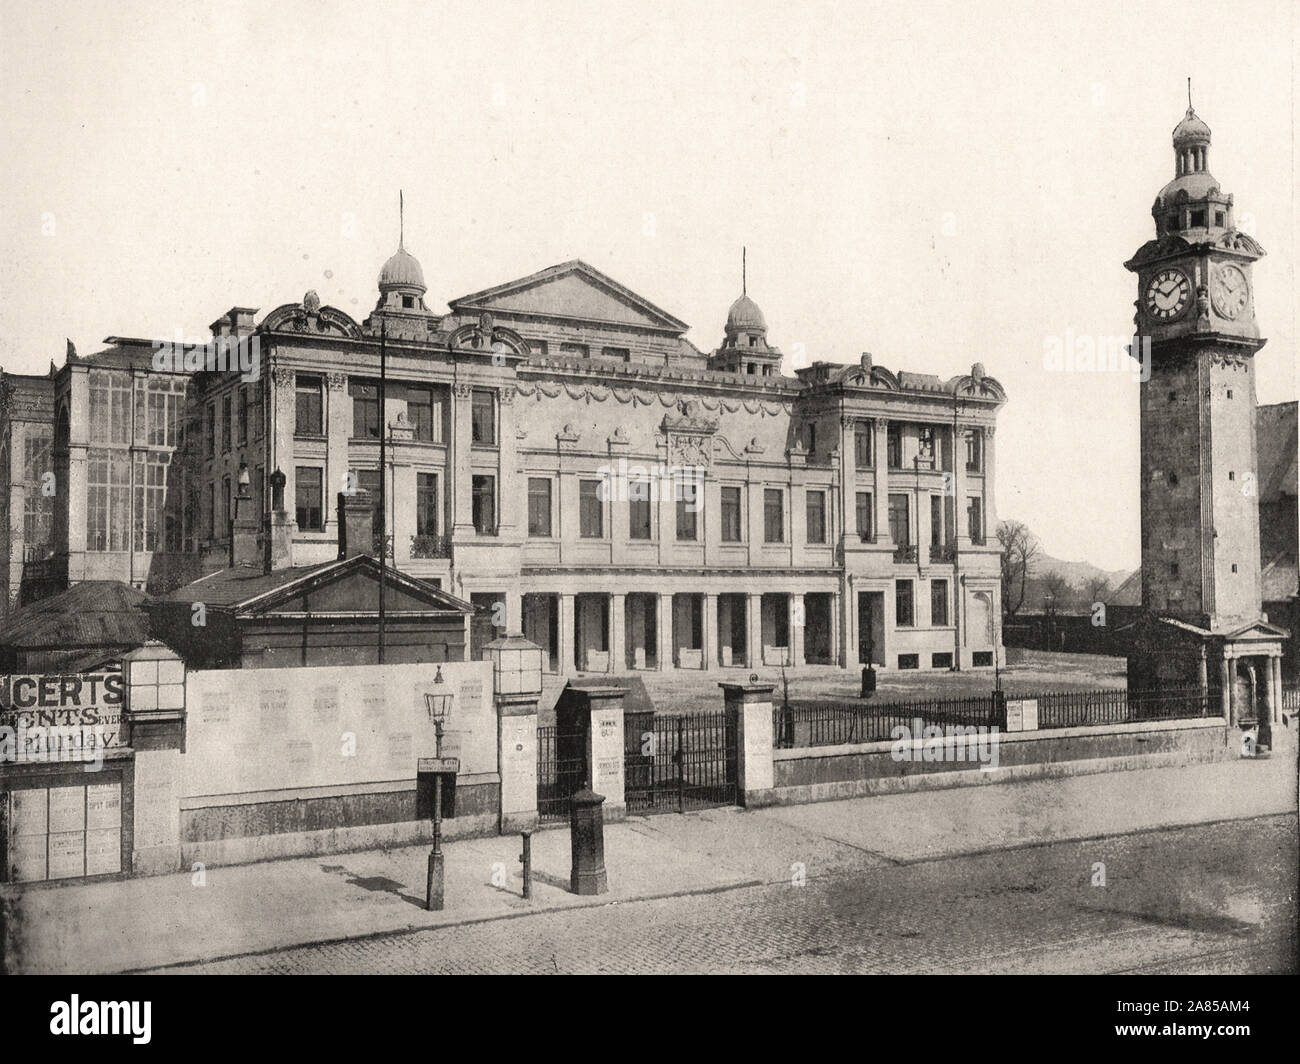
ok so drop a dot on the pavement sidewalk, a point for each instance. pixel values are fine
(142, 923)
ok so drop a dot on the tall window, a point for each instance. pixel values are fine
(210, 430)
(108, 500)
(243, 416)
(638, 509)
(816, 517)
(483, 416)
(862, 441)
(309, 412)
(255, 409)
(38, 507)
(426, 504)
(688, 525)
(164, 405)
(110, 407)
(225, 423)
(731, 523)
(539, 507)
(866, 515)
(773, 515)
(894, 439)
(925, 446)
(424, 414)
(591, 516)
(365, 410)
(974, 451)
(904, 612)
(938, 603)
(211, 524)
(975, 519)
(225, 505)
(900, 526)
(150, 500)
(485, 505)
(308, 498)
(936, 521)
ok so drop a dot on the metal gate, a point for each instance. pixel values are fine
(561, 770)
(677, 763)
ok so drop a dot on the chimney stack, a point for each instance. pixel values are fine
(356, 523)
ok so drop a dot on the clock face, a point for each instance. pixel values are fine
(1169, 293)
(1229, 291)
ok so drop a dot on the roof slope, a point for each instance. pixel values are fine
(94, 613)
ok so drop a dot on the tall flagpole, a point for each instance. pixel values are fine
(383, 477)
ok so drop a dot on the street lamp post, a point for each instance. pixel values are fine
(438, 703)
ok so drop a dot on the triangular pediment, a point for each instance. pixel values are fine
(571, 290)
(1257, 630)
(352, 586)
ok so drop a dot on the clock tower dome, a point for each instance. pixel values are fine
(1199, 497)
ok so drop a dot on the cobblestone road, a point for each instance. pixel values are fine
(1209, 898)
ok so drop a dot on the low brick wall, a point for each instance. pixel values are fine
(826, 773)
(239, 829)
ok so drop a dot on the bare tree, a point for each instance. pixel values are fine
(1096, 590)
(1020, 552)
(1056, 591)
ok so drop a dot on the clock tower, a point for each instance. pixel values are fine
(1199, 497)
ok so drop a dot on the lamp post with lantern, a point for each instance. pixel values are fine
(438, 702)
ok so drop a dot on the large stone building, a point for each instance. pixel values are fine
(1203, 624)
(558, 453)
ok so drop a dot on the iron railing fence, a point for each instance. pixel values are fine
(1076, 709)
(832, 723)
(1291, 698)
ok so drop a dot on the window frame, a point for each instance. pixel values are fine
(310, 387)
(725, 490)
(298, 484)
(769, 496)
(533, 496)
(820, 495)
(589, 502)
(899, 601)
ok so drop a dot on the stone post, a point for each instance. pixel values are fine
(602, 708)
(749, 711)
(155, 718)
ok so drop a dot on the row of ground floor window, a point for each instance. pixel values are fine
(613, 632)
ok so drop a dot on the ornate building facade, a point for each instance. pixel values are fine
(562, 456)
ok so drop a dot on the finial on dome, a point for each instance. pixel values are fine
(743, 279)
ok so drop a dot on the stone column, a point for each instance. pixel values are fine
(990, 498)
(849, 478)
(664, 629)
(1225, 682)
(880, 490)
(749, 711)
(754, 630)
(837, 651)
(462, 493)
(512, 492)
(708, 630)
(798, 622)
(565, 626)
(338, 426)
(961, 534)
(1277, 686)
(517, 761)
(617, 635)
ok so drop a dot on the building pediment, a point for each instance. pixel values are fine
(572, 291)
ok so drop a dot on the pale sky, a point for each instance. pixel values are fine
(938, 184)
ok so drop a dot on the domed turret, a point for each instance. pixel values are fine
(744, 316)
(1193, 199)
(402, 270)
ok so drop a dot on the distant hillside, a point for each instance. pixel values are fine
(1077, 574)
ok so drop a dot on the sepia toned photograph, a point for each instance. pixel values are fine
(797, 488)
